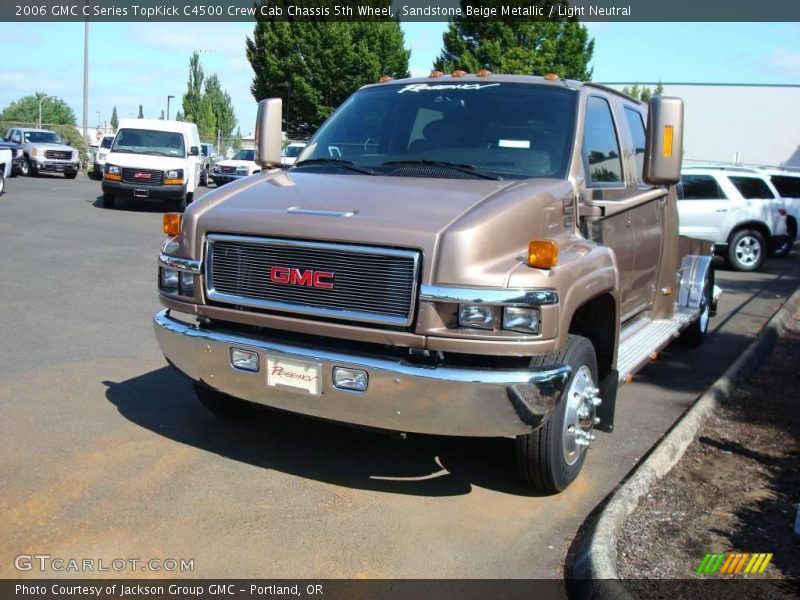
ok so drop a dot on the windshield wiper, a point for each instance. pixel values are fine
(335, 162)
(124, 150)
(460, 167)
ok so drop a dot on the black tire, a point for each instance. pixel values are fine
(28, 170)
(109, 200)
(2, 179)
(695, 334)
(542, 461)
(223, 404)
(747, 250)
(204, 177)
(70, 175)
(791, 237)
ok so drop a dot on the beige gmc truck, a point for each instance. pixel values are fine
(471, 255)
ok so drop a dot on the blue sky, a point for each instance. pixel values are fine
(133, 63)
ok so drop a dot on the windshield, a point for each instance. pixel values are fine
(146, 141)
(292, 151)
(245, 155)
(42, 137)
(507, 130)
(106, 142)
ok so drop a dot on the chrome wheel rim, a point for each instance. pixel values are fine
(748, 250)
(581, 401)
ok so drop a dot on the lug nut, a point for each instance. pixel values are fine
(597, 420)
(597, 401)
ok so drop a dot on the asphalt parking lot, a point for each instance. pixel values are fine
(107, 454)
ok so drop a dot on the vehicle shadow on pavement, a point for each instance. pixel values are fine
(124, 205)
(164, 402)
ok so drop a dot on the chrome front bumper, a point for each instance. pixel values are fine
(401, 396)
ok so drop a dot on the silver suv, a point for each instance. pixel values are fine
(737, 209)
(44, 151)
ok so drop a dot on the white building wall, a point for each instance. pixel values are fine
(759, 122)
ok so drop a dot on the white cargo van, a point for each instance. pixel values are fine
(153, 159)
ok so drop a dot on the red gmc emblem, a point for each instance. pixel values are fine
(141, 175)
(309, 278)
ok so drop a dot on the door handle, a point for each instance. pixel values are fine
(722, 210)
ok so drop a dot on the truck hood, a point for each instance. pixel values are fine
(236, 163)
(445, 219)
(145, 161)
(45, 146)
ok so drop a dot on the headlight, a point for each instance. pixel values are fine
(112, 169)
(477, 316)
(168, 280)
(187, 284)
(524, 320)
(173, 177)
(215, 169)
(241, 170)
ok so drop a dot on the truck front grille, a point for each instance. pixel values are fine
(339, 281)
(142, 176)
(228, 169)
(58, 154)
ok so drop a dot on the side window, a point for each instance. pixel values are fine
(701, 187)
(636, 126)
(788, 187)
(752, 188)
(601, 153)
(16, 137)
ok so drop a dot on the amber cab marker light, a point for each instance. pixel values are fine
(484, 73)
(436, 74)
(458, 73)
(384, 79)
(551, 77)
(542, 254)
(172, 224)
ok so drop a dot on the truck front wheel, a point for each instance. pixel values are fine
(223, 404)
(551, 457)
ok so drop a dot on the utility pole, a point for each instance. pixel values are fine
(86, 73)
(168, 99)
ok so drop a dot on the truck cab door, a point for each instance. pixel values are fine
(605, 182)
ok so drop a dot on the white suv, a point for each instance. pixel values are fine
(735, 208)
(787, 184)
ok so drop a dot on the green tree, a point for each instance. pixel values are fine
(236, 141)
(193, 98)
(179, 116)
(315, 66)
(162, 115)
(206, 121)
(526, 46)
(224, 119)
(643, 93)
(114, 119)
(141, 112)
(55, 111)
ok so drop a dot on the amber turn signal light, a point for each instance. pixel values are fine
(542, 254)
(172, 224)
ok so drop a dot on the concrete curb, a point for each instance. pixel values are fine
(597, 555)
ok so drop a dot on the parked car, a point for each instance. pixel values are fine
(153, 160)
(241, 165)
(208, 156)
(43, 151)
(5, 167)
(787, 184)
(101, 155)
(291, 152)
(735, 208)
(17, 157)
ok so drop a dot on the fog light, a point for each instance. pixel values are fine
(187, 284)
(478, 316)
(244, 360)
(524, 320)
(354, 380)
(169, 279)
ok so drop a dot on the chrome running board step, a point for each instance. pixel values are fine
(645, 337)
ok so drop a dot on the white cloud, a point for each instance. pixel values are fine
(784, 60)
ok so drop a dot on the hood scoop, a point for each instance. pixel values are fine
(320, 212)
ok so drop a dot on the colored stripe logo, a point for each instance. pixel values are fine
(734, 562)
